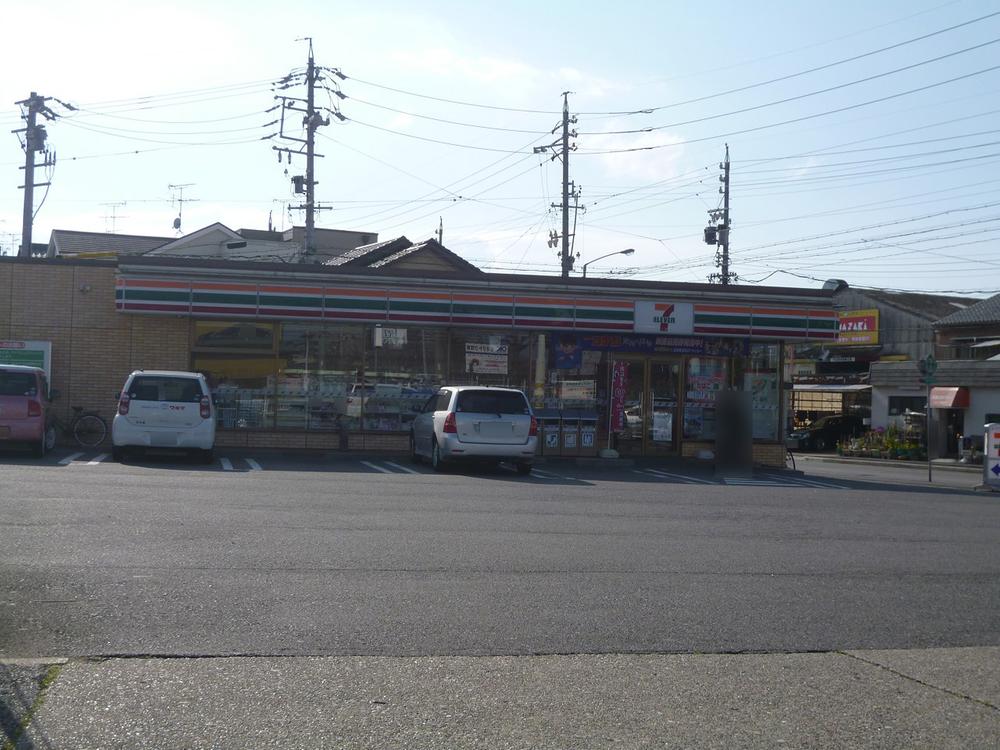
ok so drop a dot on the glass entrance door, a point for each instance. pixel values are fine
(650, 404)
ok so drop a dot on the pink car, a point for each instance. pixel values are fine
(26, 416)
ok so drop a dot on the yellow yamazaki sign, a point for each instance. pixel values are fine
(858, 327)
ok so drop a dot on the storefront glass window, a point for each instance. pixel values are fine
(403, 367)
(237, 358)
(706, 377)
(316, 376)
(491, 358)
(758, 376)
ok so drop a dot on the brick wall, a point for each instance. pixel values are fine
(94, 347)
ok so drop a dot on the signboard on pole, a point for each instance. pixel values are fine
(991, 464)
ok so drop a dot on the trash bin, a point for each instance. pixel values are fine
(570, 432)
(588, 433)
(549, 424)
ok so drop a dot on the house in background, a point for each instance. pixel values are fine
(216, 241)
(876, 326)
(972, 333)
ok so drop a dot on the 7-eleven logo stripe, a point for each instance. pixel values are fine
(666, 312)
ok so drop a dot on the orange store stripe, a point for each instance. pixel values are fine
(603, 303)
(722, 309)
(356, 292)
(291, 290)
(213, 286)
(419, 295)
(545, 301)
(155, 284)
(481, 298)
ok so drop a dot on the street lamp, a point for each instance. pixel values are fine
(626, 251)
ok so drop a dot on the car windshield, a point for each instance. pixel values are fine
(17, 384)
(492, 402)
(164, 388)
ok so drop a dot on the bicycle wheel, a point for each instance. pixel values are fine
(789, 460)
(90, 430)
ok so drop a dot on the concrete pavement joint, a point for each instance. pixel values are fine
(917, 680)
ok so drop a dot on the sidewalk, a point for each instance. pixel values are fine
(936, 698)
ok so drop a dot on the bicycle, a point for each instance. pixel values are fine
(789, 459)
(87, 428)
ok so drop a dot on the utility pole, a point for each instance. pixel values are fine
(440, 231)
(34, 141)
(568, 188)
(312, 120)
(718, 234)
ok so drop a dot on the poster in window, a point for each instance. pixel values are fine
(486, 359)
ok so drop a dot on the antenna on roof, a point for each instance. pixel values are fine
(180, 200)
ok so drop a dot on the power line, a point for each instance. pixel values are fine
(792, 120)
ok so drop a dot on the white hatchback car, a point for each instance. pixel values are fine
(164, 409)
(471, 423)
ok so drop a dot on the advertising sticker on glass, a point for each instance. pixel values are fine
(486, 359)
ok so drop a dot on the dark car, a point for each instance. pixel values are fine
(826, 432)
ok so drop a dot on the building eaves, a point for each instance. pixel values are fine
(72, 242)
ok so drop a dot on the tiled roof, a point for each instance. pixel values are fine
(927, 306)
(71, 242)
(984, 312)
(368, 254)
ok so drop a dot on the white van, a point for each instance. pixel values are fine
(164, 409)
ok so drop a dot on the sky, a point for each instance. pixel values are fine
(864, 137)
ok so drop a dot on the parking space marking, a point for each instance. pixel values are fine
(406, 469)
(370, 465)
(70, 459)
(682, 477)
(254, 466)
(97, 459)
(227, 465)
(748, 482)
(806, 482)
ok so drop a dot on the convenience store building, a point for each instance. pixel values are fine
(341, 356)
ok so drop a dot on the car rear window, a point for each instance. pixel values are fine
(164, 388)
(18, 384)
(492, 402)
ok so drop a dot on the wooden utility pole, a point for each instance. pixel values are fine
(34, 141)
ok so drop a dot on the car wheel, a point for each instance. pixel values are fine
(38, 448)
(117, 453)
(819, 443)
(437, 463)
(524, 467)
(414, 456)
(207, 456)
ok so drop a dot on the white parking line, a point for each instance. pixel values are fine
(735, 481)
(810, 483)
(226, 464)
(70, 459)
(97, 460)
(254, 466)
(407, 469)
(682, 477)
(370, 465)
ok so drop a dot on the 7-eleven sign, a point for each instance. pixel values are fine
(664, 317)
